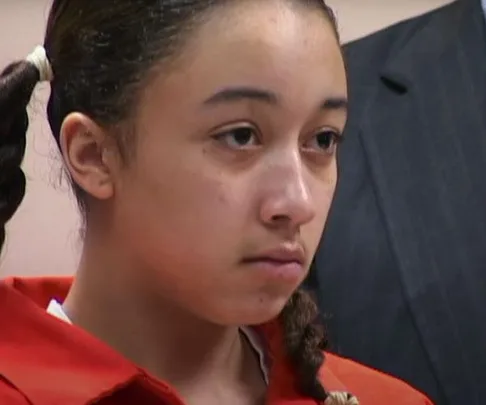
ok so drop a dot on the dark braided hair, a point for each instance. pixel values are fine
(17, 83)
(305, 341)
(100, 57)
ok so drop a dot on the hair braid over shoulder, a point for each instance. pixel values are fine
(305, 342)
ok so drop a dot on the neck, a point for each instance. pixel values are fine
(165, 340)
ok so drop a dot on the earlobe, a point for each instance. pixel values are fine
(87, 153)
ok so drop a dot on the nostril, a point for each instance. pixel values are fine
(280, 218)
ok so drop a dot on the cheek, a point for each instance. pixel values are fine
(183, 214)
(326, 192)
(322, 192)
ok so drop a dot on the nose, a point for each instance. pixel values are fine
(287, 202)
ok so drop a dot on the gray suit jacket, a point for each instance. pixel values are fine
(400, 273)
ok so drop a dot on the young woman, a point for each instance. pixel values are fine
(200, 137)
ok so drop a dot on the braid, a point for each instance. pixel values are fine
(305, 342)
(17, 82)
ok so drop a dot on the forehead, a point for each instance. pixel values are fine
(273, 44)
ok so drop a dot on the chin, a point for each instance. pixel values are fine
(258, 312)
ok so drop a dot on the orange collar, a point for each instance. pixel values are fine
(50, 361)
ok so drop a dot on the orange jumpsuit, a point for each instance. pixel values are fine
(44, 361)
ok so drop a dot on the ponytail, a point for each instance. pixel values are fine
(305, 342)
(17, 83)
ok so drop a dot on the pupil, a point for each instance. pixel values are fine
(242, 135)
(324, 140)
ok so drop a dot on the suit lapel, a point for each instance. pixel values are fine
(435, 208)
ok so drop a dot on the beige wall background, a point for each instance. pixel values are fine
(43, 237)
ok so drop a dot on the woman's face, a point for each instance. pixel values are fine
(234, 170)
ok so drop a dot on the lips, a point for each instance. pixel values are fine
(273, 260)
(283, 265)
(281, 255)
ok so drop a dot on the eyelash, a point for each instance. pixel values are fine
(224, 135)
(221, 137)
(335, 139)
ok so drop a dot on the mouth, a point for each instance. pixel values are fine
(281, 254)
(285, 263)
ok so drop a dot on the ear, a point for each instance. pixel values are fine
(89, 155)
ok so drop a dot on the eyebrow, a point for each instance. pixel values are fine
(241, 93)
(235, 94)
(335, 103)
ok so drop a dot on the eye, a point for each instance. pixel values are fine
(324, 141)
(242, 137)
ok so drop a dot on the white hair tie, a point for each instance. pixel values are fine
(39, 59)
(341, 398)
